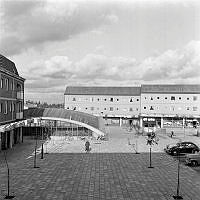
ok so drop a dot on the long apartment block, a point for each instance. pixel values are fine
(146, 101)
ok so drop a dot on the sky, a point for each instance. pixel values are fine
(56, 44)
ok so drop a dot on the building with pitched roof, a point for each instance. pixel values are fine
(11, 102)
(153, 105)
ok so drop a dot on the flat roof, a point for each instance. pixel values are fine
(115, 91)
(172, 89)
(134, 91)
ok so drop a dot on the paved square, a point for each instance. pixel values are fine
(88, 176)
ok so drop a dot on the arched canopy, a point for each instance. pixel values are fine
(83, 119)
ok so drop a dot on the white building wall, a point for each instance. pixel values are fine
(180, 104)
(104, 105)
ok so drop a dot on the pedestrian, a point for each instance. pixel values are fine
(87, 146)
(172, 134)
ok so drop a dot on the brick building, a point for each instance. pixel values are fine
(11, 103)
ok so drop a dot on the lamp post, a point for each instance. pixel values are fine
(150, 163)
(42, 149)
(177, 196)
(35, 156)
(8, 196)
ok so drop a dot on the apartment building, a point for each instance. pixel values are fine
(153, 105)
(11, 103)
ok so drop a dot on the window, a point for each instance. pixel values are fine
(145, 107)
(85, 108)
(117, 108)
(12, 86)
(13, 107)
(194, 108)
(188, 108)
(145, 97)
(131, 100)
(179, 98)
(1, 107)
(105, 99)
(151, 98)
(74, 99)
(6, 107)
(137, 99)
(172, 98)
(165, 97)
(194, 98)
(6, 84)
(117, 99)
(151, 108)
(1, 82)
(104, 108)
(188, 98)
(137, 109)
(74, 108)
(111, 99)
(158, 97)
(98, 99)
(111, 108)
(10, 107)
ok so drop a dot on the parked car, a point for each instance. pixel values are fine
(193, 159)
(182, 147)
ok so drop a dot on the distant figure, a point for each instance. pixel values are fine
(172, 134)
(87, 146)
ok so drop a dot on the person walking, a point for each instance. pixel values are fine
(87, 146)
(172, 134)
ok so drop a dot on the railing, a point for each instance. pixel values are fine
(20, 95)
(19, 115)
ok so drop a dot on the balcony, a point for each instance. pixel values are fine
(19, 115)
(20, 95)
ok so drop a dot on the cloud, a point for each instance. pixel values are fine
(173, 66)
(31, 24)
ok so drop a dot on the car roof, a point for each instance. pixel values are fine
(185, 142)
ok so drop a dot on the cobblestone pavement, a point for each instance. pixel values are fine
(74, 176)
(64, 175)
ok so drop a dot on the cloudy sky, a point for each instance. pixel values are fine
(100, 43)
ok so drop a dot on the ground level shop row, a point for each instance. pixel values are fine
(10, 138)
(160, 122)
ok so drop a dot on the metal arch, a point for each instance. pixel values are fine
(95, 131)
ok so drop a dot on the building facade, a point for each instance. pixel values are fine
(11, 103)
(153, 105)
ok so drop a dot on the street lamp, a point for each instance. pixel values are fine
(8, 196)
(35, 156)
(177, 196)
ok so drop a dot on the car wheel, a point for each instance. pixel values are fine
(194, 163)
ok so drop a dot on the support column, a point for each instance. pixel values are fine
(183, 122)
(11, 138)
(120, 121)
(141, 122)
(20, 135)
(161, 122)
